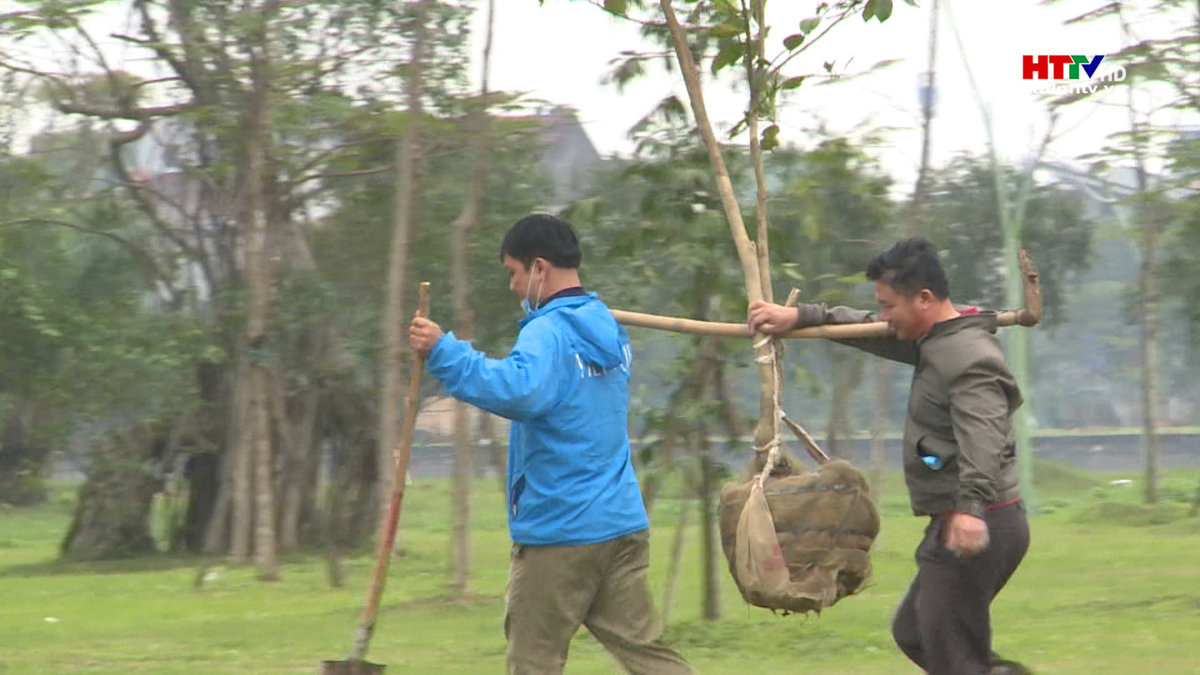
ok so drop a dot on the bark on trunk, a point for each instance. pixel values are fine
(464, 315)
(1148, 347)
(265, 544)
(674, 564)
(460, 548)
(846, 377)
(219, 538)
(498, 446)
(713, 557)
(112, 518)
(241, 503)
(258, 217)
(690, 390)
(879, 418)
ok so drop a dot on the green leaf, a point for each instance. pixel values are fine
(792, 82)
(792, 271)
(770, 137)
(615, 7)
(727, 28)
(792, 41)
(808, 25)
(728, 56)
(883, 10)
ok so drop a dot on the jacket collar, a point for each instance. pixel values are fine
(984, 320)
(558, 303)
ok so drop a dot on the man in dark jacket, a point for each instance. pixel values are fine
(959, 454)
(581, 541)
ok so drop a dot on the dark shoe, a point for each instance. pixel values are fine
(1006, 667)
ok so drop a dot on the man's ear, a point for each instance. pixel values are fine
(926, 296)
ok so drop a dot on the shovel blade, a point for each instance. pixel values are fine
(351, 668)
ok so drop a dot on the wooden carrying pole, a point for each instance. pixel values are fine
(1029, 315)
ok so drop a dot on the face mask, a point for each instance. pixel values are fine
(526, 306)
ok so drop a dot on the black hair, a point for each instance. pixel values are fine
(908, 267)
(542, 235)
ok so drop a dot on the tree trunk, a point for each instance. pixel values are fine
(713, 556)
(846, 377)
(689, 392)
(297, 479)
(464, 317)
(112, 518)
(460, 548)
(1148, 346)
(220, 535)
(241, 503)
(265, 543)
(258, 219)
(1011, 205)
(202, 473)
(394, 314)
(927, 107)
(674, 564)
(879, 418)
(498, 446)
(767, 430)
(1148, 219)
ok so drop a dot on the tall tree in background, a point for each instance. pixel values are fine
(239, 151)
(258, 220)
(398, 274)
(464, 317)
(1011, 208)
(1161, 75)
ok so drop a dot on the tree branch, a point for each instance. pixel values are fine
(127, 113)
(155, 273)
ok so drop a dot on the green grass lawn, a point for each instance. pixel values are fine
(1109, 586)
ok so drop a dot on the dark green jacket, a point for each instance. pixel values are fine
(960, 409)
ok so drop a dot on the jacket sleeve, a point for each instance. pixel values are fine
(521, 386)
(981, 418)
(817, 314)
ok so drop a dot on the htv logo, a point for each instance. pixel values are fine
(1041, 66)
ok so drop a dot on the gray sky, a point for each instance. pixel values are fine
(560, 51)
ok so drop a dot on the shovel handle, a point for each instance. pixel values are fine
(387, 527)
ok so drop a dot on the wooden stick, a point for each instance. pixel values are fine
(810, 445)
(740, 330)
(387, 527)
(1031, 313)
(1027, 316)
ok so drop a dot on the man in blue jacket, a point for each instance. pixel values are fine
(581, 543)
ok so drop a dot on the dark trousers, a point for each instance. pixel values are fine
(944, 622)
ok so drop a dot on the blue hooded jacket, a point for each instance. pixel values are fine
(565, 386)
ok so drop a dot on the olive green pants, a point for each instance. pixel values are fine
(552, 590)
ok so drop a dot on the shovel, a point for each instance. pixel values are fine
(355, 663)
